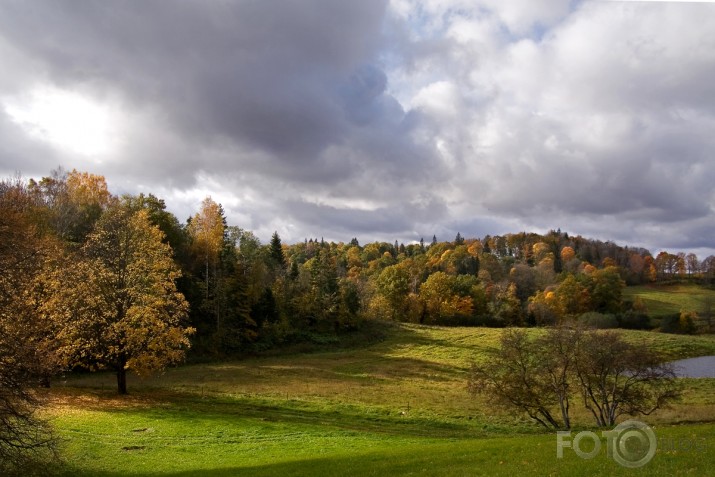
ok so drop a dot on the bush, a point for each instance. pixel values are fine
(633, 320)
(597, 320)
(670, 324)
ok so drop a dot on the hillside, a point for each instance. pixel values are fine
(397, 407)
(663, 300)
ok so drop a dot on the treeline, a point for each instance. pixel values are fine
(242, 295)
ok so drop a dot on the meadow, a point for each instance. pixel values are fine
(663, 300)
(398, 406)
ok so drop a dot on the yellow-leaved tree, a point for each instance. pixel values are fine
(26, 353)
(118, 305)
(206, 230)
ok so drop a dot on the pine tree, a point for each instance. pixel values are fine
(277, 251)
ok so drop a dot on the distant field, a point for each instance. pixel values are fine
(671, 299)
(398, 407)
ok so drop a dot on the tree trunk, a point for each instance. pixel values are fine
(122, 379)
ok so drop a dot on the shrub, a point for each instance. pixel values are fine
(597, 320)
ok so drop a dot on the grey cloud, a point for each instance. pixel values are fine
(19, 153)
(593, 116)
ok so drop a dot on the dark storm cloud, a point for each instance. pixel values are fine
(271, 75)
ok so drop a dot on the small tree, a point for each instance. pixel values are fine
(618, 378)
(514, 377)
(538, 376)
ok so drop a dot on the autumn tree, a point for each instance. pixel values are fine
(206, 230)
(26, 358)
(692, 263)
(208, 244)
(393, 284)
(119, 303)
(572, 298)
(174, 233)
(443, 301)
(74, 200)
(605, 287)
(504, 305)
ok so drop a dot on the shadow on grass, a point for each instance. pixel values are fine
(432, 460)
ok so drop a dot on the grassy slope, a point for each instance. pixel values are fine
(670, 299)
(398, 407)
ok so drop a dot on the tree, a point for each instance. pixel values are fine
(119, 303)
(393, 284)
(25, 357)
(75, 200)
(174, 233)
(692, 263)
(514, 377)
(606, 290)
(442, 299)
(208, 237)
(537, 376)
(619, 378)
(505, 306)
(572, 298)
(276, 251)
(206, 230)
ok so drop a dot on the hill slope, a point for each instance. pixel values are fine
(397, 407)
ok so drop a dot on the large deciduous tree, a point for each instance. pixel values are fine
(118, 302)
(25, 357)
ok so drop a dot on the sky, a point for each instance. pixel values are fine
(376, 119)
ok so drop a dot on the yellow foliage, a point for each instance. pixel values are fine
(117, 305)
(87, 189)
(475, 248)
(207, 231)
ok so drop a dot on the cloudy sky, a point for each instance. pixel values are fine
(378, 119)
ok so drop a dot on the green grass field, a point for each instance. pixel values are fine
(663, 300)
(396, 407)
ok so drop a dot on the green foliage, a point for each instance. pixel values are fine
(594, 319)
(276, 251)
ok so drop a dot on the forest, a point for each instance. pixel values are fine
(91, 280)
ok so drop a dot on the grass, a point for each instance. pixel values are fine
(397, 407)
(664, 300)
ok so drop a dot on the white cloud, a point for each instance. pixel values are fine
(70, 121)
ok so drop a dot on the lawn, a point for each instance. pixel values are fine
(663, 300)
(396, 407)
